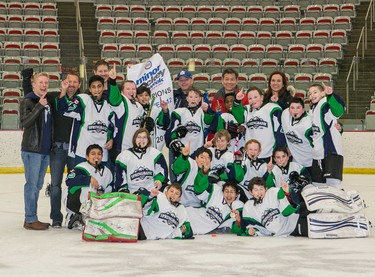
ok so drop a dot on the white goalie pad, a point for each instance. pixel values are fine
(110, 205)
(327, 199)
(337, 225)
(111, 230)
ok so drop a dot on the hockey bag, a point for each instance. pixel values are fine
(111, 217)
(327, 199)
(337, 225)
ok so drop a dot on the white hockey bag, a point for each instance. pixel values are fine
(111, 217)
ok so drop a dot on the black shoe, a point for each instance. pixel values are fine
(56, 224)
(76, 222)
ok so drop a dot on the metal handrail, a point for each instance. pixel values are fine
(354, 68)
(83, 72)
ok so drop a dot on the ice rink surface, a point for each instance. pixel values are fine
(62, 252)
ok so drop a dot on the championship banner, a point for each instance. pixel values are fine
(155, 75)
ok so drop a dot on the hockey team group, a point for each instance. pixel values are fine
(245, 162)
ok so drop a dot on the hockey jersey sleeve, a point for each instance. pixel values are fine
(163, 120)
(120, 176)
(285, 207)
(336, 105)
(238, 111)
(113, 96)
(277, 126)
(161, 169)
(77, 178)
(175, 121)
(181, 164)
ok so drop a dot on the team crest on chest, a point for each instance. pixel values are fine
(269, 215)
(141, 173)
(170, 219)
(256, 122)
(192, 127)
(293, 138)
(98, 126)
(137, 121)
(215, 214)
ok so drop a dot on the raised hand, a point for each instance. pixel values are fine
(43, 100)
(240, 95)
(327, 89)
(163, 105)
(94, 183)
(204, 105)
(208, 143)
(270, 166)
(112, 73)
(186, 150)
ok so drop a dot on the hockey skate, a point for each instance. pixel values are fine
(326, 199)
(76, 222)
(337, 225)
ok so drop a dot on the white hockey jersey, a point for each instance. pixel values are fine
(162, 220)
(283, 174)
(215, 212)
(273, 217)
(252, 169)
(298, 137)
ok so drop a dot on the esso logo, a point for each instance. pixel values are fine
(148, 65)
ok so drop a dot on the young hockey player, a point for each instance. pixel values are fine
(87, 176)
(262, 121)
(141, 167)
(298, 132)
(92, 113)
(156, 121)
(164, 217)
(221, 208)
(253, 167)
(328, 161)
(189, 172)
(222, 166)
(188, 124)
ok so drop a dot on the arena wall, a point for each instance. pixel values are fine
(359, 151)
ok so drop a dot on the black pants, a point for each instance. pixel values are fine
(73, 202)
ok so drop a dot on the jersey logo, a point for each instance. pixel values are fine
(315, 129)
(190, 188)
(141, 173)
(257, 123)
(72, 105)
(98, 127)
(170, 219)
(215, 214)
(218, 167)
(192, 127)
(293, 138)
(268, 216)
(137, 121)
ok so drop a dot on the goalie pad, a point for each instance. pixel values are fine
(111, 230)
(327, 199)
(112, 217)
(337, 225)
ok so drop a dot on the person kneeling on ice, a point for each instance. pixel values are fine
(85, 177)
(164, 217)
(269, 213)
(221, 208)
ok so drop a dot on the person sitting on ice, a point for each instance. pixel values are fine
(87, 176)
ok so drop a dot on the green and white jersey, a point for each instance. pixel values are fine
(162, 220)
(326, 138)
(93, 119)
(215, 213)
(279, 174)
(298, 134)
(274, 216)
(222, 121)
(252, 168)
(186, 170)
(221, 161)
(136, 171)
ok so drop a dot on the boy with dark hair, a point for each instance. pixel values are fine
(87, 176)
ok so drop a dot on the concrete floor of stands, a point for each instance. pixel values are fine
(62, 252)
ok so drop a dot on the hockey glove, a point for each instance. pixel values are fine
(175, 146)
(181, 131)
(232, 128)
(238, 157)
(149, 124)
(213, 177)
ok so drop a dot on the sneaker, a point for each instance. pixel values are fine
(37, 225)
(56, 224)
(76, 222)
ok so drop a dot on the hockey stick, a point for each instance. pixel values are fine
(149, 111)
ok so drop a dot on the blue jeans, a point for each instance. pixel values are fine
(59, 158)
(35, 166)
